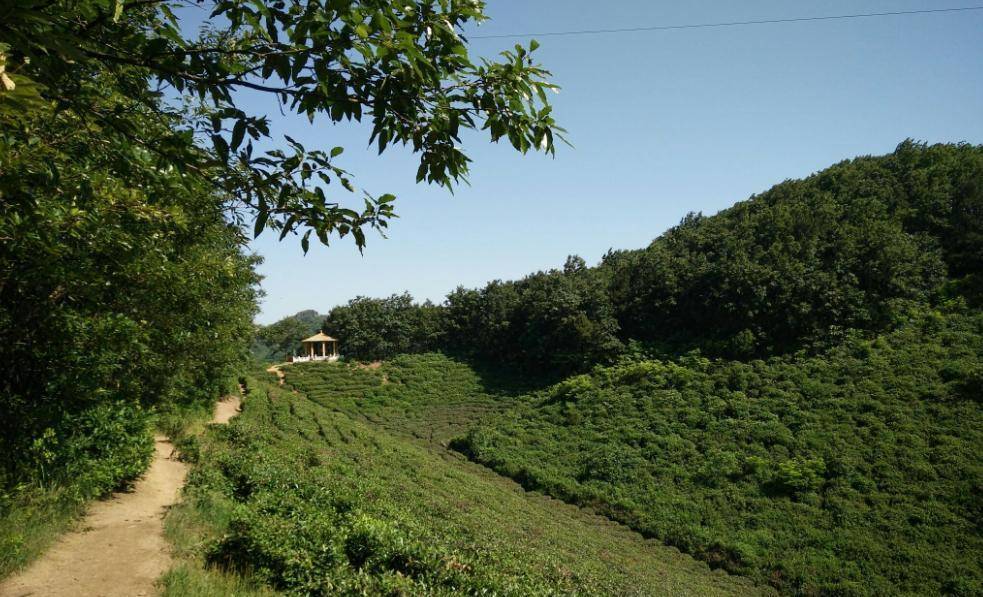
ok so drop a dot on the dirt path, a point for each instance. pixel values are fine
(119, 548)
(279, 374)
(225, 409)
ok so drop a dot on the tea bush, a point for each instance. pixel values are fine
(351, 492)
(856, 471)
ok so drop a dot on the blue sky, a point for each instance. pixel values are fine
(662, 123)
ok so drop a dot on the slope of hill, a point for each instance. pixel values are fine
(344, 486)
(845, 248)
(856, 471)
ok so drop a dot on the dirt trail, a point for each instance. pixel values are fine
(119, 547)
(279, 374)
(225, 409)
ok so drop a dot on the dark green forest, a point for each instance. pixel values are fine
(277, 341)
(852, 248)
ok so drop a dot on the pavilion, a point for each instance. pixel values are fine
(319, 347)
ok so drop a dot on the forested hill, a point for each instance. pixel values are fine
(844, 248)
(854, 246)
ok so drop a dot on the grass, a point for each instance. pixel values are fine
(31, 521)
(853, 472)
(198, 520)
(340, 482)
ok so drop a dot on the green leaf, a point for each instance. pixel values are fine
(261, 219)
(238, 132)
(221, 147)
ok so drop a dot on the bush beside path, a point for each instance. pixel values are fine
(119, 547)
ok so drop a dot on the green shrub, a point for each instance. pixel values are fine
(88, 455)
(323, 491)
(853, 471)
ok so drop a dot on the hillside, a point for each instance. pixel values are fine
(855, 471)
(787, 391)
(796, 267)
(779, 398)
(341, 482)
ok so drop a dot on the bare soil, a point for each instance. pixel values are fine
(225, 409)
(119, 547)
(279, 374)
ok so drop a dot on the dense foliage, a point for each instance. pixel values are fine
(345, 488)
(403, 66)
(856, 471)
(560, 320)
(375, 329)
(120, 286)
(844, 248)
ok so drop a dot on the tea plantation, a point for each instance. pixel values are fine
(852, 472)
(339, 483)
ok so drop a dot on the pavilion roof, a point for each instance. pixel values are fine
(320, 337)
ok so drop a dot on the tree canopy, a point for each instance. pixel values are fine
(403, 66)
(280, 339)
(373, 329)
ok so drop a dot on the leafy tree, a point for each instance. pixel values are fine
(561, 320)
(403, 66)
(479, 322)
(115, 288)
(846, 248)
(372, 329)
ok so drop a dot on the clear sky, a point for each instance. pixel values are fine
(662, 123)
